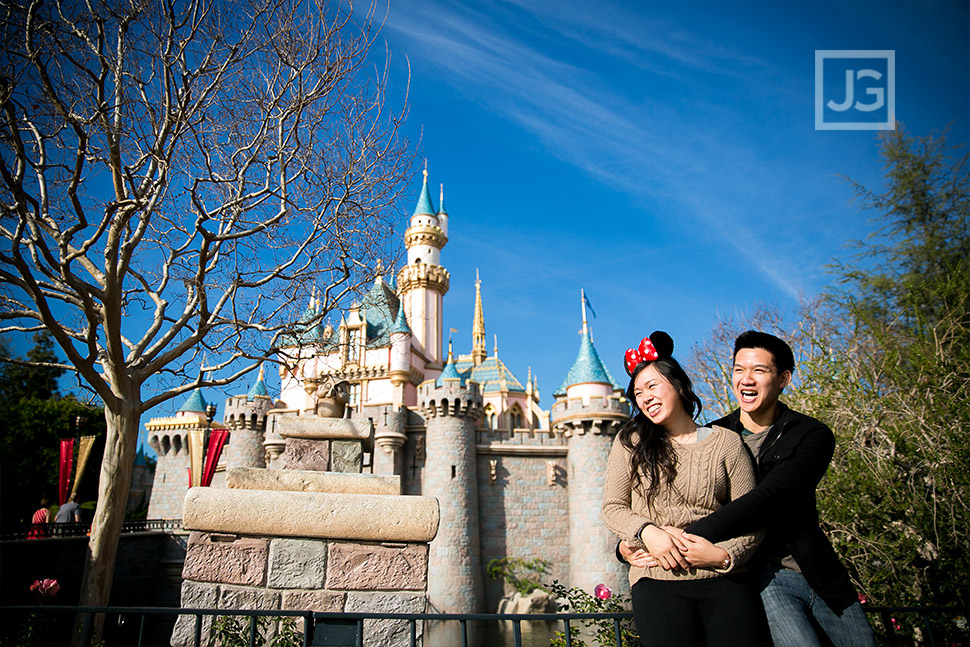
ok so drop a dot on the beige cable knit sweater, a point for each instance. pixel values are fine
(710, 473)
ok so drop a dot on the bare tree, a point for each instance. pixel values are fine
(174, 176)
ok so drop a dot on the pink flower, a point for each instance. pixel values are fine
(896, 625)
(46, 588)
(603, 592)
(862, 598)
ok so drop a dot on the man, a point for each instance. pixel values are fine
(806, 591)
(69, 512)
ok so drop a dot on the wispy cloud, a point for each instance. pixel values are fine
(626, 139)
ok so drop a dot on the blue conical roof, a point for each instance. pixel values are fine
(259, 388)
(401, 322)
(425, 207)
(588, 368)
(449, 372)
(195, 403)
(441, 202)
(380, 306)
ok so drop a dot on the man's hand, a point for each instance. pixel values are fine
(702, 553)
(665, 548)
(635, 557)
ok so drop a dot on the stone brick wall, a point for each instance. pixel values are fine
(523, 516)
(170, 484)
(245, 572)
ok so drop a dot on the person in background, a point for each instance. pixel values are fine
(806, 591)
(41, 516)
(70, 511)
(665, 472)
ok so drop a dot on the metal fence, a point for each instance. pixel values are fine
(72, 529)
(895, 626)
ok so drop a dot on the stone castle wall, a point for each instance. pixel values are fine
(523, 515)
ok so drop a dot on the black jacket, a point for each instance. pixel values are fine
(792, 461)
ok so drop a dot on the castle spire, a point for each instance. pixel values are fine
(478, 327)
(424, 207)
(441, 201)
(582, 298)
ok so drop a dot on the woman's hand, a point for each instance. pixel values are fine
(701, 553)
(635, 557)
(665, 548)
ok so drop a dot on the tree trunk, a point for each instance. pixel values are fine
(121, 444)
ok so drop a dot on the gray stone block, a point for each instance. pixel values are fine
(387, 633)
(297, 564)
(195, 595)
(346, 456)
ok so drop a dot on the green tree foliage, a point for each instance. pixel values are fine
(33, 420)
(884, 359)
(523, 575)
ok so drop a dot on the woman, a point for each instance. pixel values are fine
(664, 472)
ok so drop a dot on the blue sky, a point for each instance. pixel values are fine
(662, 157)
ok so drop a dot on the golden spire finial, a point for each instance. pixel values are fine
(425, 170)
(478, 325)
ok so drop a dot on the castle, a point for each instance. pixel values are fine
(511, 479)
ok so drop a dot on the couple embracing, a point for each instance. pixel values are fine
(719, 523)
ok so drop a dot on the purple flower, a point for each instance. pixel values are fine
(46, 588)
(603, 592)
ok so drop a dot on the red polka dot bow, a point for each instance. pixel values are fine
(644, 353)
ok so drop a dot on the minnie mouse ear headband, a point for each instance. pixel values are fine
(647, 351)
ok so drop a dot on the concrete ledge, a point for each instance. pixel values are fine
(253, 478)
(316, 428)
(324, 515)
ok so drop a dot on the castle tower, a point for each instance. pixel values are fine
(451, 407)
(245, 416)
(588, 411)
(169, 437)
(422, 283)
(478, 326)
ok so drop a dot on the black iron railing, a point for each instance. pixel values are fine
(72, 529)
(937, 626)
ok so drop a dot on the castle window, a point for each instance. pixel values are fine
(489, 417)
(353, 347)
(516, 417)
(353, 394)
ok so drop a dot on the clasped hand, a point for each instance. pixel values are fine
(673, 549)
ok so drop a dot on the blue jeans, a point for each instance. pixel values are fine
(797, 617)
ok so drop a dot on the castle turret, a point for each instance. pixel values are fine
(588, 411)
(442, 213)
(451, 407)
(422, 283)
(170, 438)
(245, 416)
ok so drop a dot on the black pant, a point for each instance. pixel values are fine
(722, 611)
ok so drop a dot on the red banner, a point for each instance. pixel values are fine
(217, 440)
(67, 462)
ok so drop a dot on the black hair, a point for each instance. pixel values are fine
(649, 444)
(780, 351)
